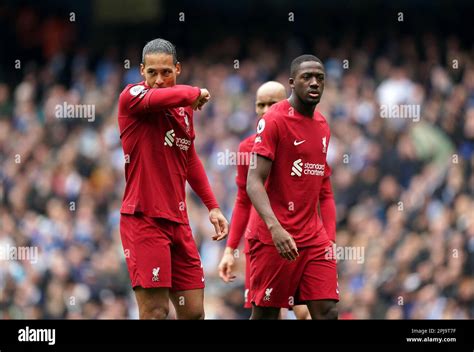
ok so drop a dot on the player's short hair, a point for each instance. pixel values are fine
(295, 64)
(159, 46)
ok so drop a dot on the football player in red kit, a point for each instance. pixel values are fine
(156, 128)
(288, 240)
(267, 94)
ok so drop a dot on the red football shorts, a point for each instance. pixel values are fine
(160, 253)
(277, 282)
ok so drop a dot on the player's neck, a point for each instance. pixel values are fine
(304, 109)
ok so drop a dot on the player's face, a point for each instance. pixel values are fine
(159, 71)
(308, 83)
(263, 103)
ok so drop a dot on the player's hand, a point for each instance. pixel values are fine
(221, 225)
(201, 100)
(284, 243)
(226, 264)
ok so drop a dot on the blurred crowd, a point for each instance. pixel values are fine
(404, 186)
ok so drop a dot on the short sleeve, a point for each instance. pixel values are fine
(266, 141)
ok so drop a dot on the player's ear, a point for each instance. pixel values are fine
(178, 68)
(142, 70)
(291, 81)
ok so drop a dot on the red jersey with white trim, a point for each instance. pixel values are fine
(156, 129)
(297, 145)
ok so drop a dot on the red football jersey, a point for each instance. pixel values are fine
(297, 145)
(156, 129)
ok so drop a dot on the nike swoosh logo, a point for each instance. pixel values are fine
(298, 143)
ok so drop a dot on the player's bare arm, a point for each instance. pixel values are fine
(283, 241)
